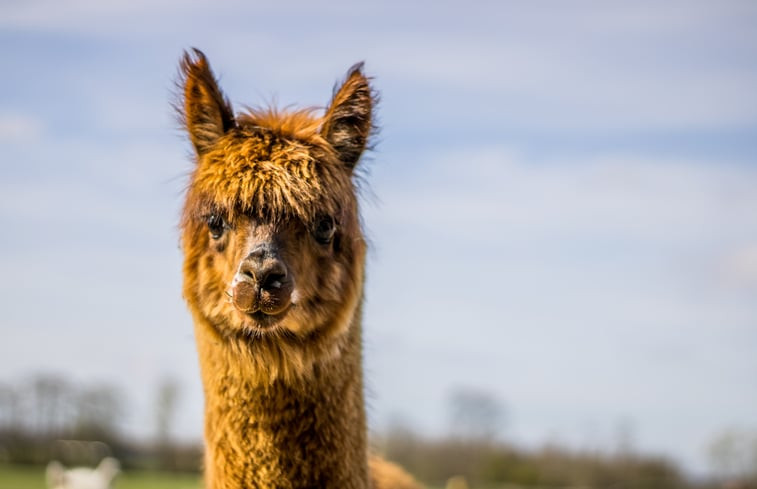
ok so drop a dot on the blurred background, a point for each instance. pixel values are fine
(562, 209)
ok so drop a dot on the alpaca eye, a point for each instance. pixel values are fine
(216, 226)
(324, 231)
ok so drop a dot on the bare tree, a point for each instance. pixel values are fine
(98, 411)
(165, 408)
(51, 398)
(165, 412)
(9, 407)
(733, 455)
(475, 414)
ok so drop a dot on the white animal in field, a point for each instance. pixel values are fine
(59, 477)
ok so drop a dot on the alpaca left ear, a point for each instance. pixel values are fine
(348, 120)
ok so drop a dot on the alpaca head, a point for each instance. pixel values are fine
(271, 233)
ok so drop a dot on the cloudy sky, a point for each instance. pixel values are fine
(562, 205)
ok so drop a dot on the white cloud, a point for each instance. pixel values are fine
(580, 291)
(19, 128)
(740, 267)
(77, 15)
(578, 66)
(576, 84)
(500, 195)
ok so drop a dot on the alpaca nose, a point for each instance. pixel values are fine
(267, 273)
(262, 282)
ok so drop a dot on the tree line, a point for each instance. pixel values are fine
(45, 417)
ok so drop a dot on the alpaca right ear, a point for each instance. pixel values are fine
(206, 112)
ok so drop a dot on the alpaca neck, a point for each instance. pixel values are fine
(309, 433)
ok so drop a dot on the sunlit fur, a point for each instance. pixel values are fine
(284, 394)
(256, 178)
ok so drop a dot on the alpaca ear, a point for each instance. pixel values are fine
(347, 123)
(206, 112)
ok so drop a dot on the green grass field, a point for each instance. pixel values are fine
(30, 477)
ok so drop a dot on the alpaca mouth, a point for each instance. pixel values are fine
(261, 321)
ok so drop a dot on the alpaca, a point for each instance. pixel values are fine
(273, 277)
(58, 477)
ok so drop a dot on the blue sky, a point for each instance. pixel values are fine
(561, 205)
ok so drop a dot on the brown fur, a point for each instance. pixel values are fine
(282, 373)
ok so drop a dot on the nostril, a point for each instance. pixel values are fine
(273, 280)
(248, 271)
